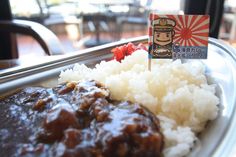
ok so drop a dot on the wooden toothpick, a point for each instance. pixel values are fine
(149, 64)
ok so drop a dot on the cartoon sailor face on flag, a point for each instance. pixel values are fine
(178, 36)
(163, 33)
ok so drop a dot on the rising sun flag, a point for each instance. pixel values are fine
(178, 36)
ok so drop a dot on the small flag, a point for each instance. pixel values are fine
(178, 36)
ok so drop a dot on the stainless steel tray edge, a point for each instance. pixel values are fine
(76, 57)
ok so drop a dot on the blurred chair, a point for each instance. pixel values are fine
(72, 24)
(9, 28)
(48, 40)
(65, 13)
(228, 31)
(136, 16)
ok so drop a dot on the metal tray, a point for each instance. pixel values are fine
(217, 140)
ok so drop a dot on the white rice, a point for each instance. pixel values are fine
(177, 93)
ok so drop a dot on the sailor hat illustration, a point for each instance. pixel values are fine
(163, 24)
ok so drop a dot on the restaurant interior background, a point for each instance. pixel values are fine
(85, 23)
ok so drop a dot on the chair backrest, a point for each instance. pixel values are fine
(46, 38)
(9, 27)
(8, 46)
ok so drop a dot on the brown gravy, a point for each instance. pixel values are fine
(76, 119)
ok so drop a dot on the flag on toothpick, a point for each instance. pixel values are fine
(178, 36)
